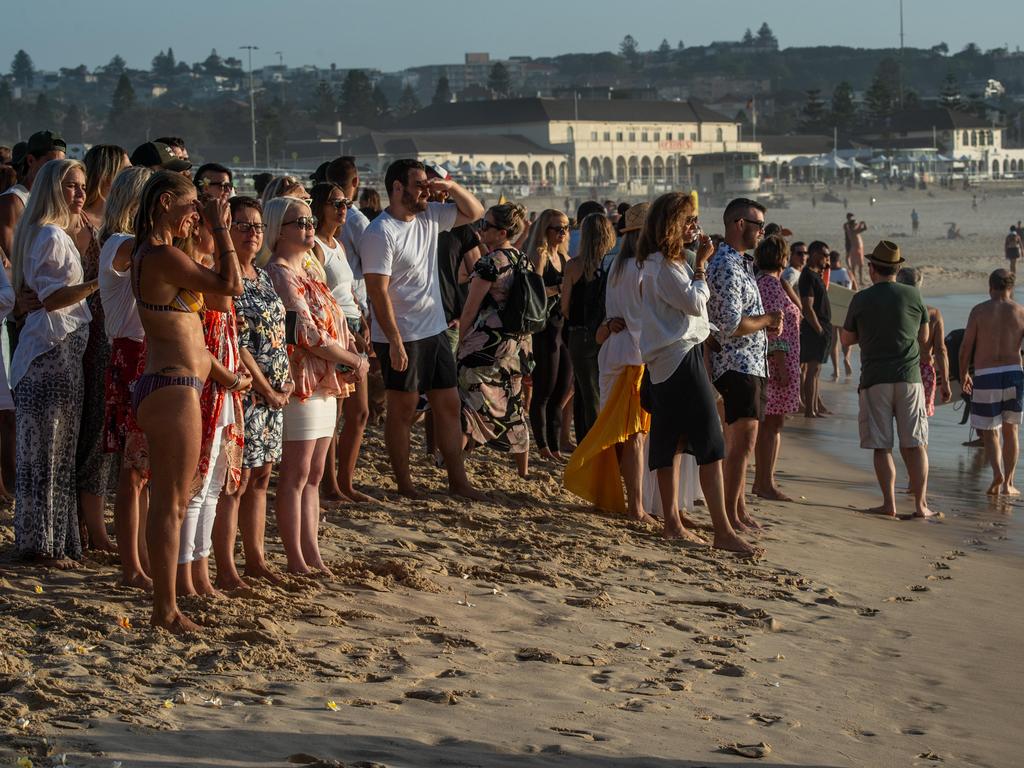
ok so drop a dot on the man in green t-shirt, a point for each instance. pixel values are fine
(890, 322)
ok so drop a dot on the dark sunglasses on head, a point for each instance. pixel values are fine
(248, 226)
(303, 222)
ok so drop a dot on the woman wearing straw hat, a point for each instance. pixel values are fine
(890, 322)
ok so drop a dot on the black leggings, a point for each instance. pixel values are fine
(552, 380)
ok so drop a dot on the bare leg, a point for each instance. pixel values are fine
(291, 482)
(916, 461)
(631, 467)
(740, 437)
(170, 418)
(201, 578)
(447, 420)
(252, 520)
(183, 579)
(130, 486)
(310, 532)
(713, 486)
(769, 439)
(92, 511)
(807, 373)
(225, 528)
(847, 367)
(1011, 451)
(332, 491)
(143, 519)
(522, 463)
(668, 490)
(401, 411)
(356, 412)
(885, 471)
(834, 353)
(994, 453)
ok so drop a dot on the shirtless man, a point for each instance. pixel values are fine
(855, 246)
(995, 331)
(1013, 248)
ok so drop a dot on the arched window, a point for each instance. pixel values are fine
(974, 138)
(966, 139)
(991, 138)
(620, 169)
(583, 174)
(571, 134)
(719, 136)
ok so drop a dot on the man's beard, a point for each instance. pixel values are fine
(413, 202)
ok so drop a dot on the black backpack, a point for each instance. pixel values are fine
(526, 308)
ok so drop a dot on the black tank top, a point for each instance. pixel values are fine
(583, 293)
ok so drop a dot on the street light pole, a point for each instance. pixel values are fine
(252, 100)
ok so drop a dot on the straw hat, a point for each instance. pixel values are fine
(635, 216)
(886, 253)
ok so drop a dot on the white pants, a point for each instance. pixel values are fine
(689, 485)
(197, 529)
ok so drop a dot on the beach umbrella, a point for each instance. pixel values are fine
(801, 162)
(481, 167)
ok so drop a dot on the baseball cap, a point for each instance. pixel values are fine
(435, 171)
(154, 154)
(43, 142)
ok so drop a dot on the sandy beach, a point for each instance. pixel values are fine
(533, 631)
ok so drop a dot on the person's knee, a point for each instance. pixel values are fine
(259, 478)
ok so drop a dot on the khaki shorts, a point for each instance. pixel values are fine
(880, 404)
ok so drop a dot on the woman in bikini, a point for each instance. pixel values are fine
(169, 289)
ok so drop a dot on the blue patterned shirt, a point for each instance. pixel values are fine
(734, 295)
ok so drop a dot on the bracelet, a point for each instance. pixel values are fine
(220, 229)
(235, 383)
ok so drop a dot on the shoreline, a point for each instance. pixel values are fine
(855, 641)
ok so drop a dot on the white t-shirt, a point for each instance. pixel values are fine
(52, 263)
(121, 314)
(841, 277)
(350, 236)
(339, 278)
(791, 275)
(407, 252)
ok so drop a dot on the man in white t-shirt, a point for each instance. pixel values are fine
(398, 251)
(797, 259)
(343, 172)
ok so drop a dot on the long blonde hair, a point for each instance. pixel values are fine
(123, 202)
(102, 164)
(538, 240)
(280, 186)
(45, 206)
(597, 237)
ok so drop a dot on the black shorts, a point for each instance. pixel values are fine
(815, 347)
(683, 414)
(431, 365)
(744, 395)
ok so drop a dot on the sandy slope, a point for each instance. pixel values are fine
(532, 632)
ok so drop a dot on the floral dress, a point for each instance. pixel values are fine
(260, 315)
(782, 399)
(491, 368)
(221, 334)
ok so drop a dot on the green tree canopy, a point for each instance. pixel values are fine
(498, 80)
(23, 69)
(442, 92)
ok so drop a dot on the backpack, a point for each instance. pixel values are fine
(526, 308)
(593, 308)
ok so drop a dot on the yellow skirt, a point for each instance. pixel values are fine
(593, 469)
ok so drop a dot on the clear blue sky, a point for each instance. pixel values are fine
(394, 34)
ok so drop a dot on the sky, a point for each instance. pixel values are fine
(395, 34)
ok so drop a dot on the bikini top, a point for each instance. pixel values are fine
(184, 301)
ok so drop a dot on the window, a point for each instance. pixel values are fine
(657, 136)
(632, 135)
(718, 134)
(618, 136)
(593, 135)
(966, 139)
(607, 135)
(668, 136)
(644, 137)
(693, 136)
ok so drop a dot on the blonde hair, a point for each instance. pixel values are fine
(665, 227)
(538, 241)
(123, 202)
(509, 216)
(45, 206)
(102, 164)
(280, 186)
(597, 237)
(274, 212)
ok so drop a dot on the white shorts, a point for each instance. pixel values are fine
(882, 403)
(310, 420)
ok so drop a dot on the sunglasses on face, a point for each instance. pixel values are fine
(248, 226)
(224, 186)
(303, 222)
(753, 222)
(561, 228)
(485, 225)
(343, 203)
(799, 253)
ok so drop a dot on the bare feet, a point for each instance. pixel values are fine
(849, 368)
(208, 590)
(997, 486)
(229, 583)
(749, 522)
(321, 568)
(772, 493)
(881, 511)
(468, 492)
(411, 492)
(138, 580)
(1009, 489)
(261, 571)
(925, 512)
(355, 496)
(60, 563)
(679, 532)
(303, 570)
(177, 624)
(104, 544)
(730, 542)
(642, 517)
(332, 494)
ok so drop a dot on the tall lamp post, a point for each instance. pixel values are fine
(252, 100)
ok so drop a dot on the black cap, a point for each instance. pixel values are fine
(44, 142)
(320, 174)
(154, 154)
(18, 153)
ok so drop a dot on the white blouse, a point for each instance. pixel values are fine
(674, 316)
(52, 263)
(623, 298)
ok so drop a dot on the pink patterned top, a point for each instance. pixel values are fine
(782, 398)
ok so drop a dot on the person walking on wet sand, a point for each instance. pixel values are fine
(890, 322)
(992, 342)
(1013, 248)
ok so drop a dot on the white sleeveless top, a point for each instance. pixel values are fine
(340, 278)
(19, 192)
(622, 299)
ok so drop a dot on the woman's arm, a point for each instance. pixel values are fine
(236, 382)
(72, 294)
(122, 260)
(271, 396)
(478, 288)
(568, 280)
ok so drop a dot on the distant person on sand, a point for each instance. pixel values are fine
(1013, 249)
(815, 326)
(953, 233)
(855, 245)
(915, 220)
(890, 322)
(992, 341)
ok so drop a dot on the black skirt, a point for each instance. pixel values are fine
(683, 414)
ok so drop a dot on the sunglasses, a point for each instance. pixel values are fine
(799, 253)
(248, 226)
(226, 186)
(753, 222)
(485, 225)
(343, 203)
(303, 222)
(560, 229)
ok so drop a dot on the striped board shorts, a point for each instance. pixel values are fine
(998, 396)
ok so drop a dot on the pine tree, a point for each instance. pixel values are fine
(664, 49)
(766, 37)
(381, 105)
(357, 104)
(325, 110)
(812, 117)
(122, 102)
(23, 69)
(116, 65)
(498, 80)
(949, 96)
(748, 37)
(882, 97)
(628, 48)
(407, 102)
(213, 64)
(442, 92)
(844, 111)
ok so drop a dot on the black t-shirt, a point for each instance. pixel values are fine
(812, 285)
(451, 247)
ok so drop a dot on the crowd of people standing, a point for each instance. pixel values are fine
(174, 343)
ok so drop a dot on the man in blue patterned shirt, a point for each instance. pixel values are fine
(739, 366)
